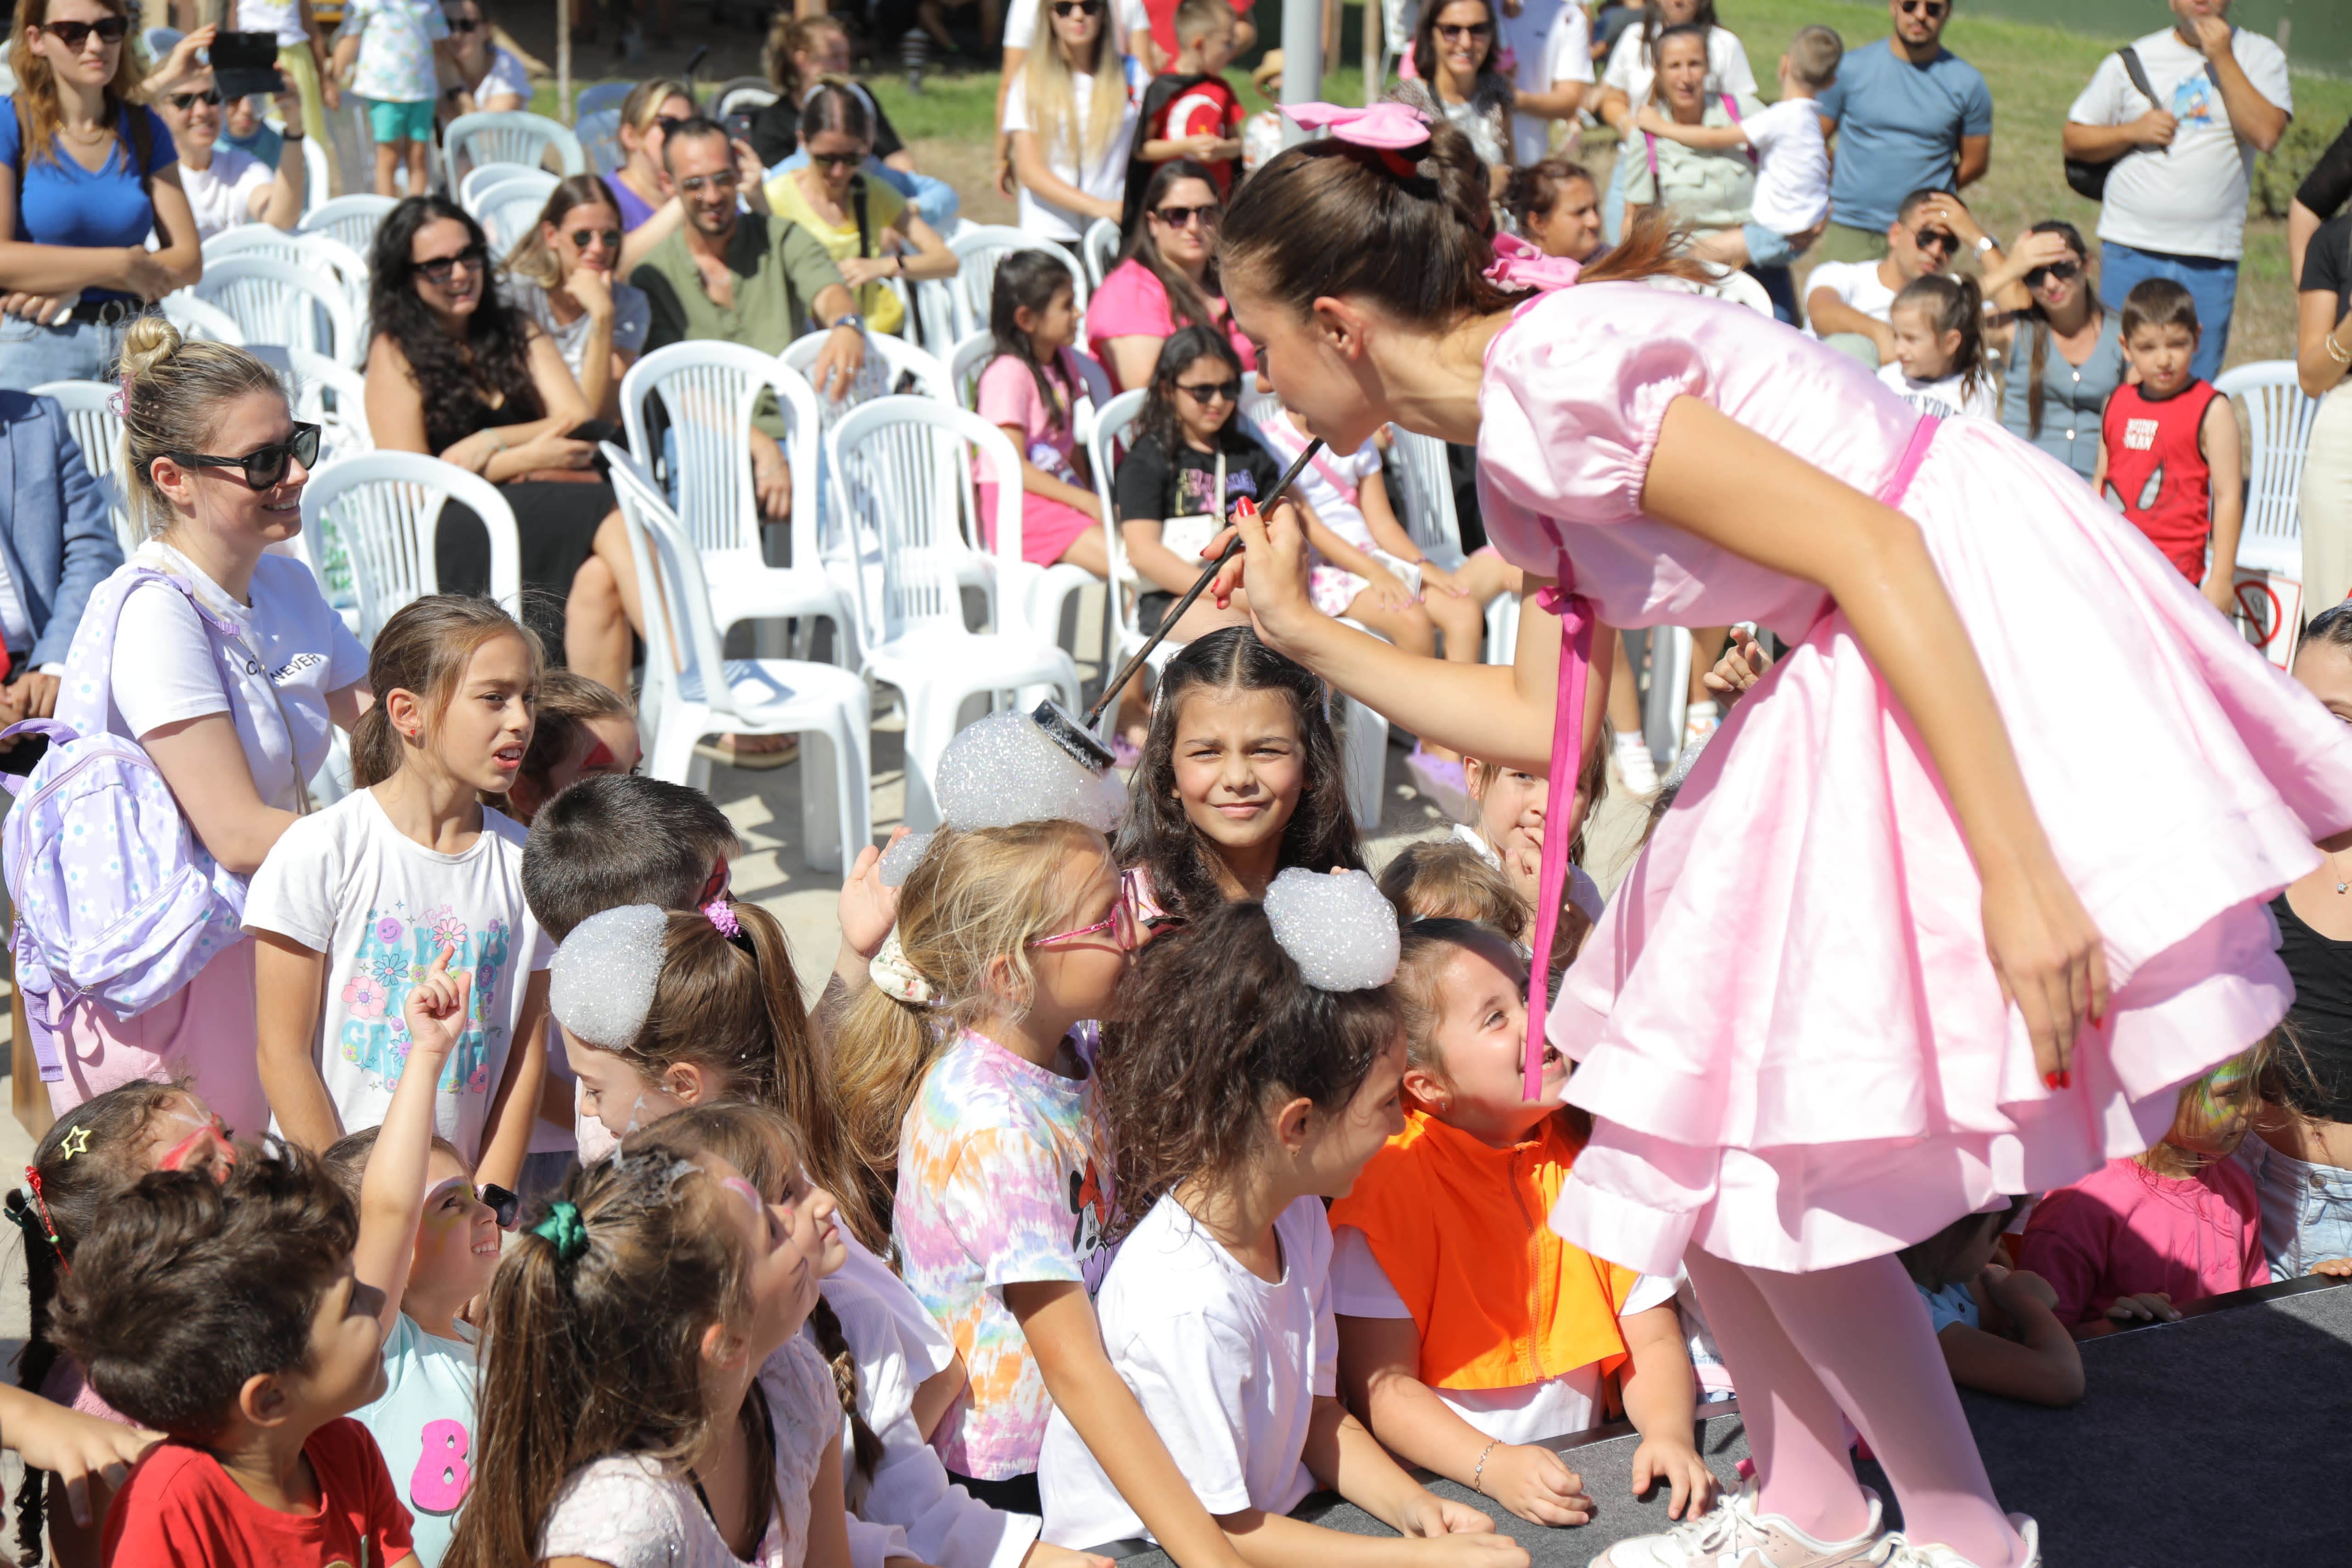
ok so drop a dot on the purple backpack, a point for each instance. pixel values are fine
(118, 904)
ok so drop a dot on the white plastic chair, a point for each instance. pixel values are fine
(511, 136)
(600, 139)
(966, 360)
(2279, 417)
(981, 247)
(351, 219)
(317, 171)
(509, 209)
(695, 692)
(1422, 485)
(1121, 635)
(936, 311)
(604, 96)
(738, 100)
(384, 508)
(197, 319)
(708, 390)
(98, 430)
(482, 176)
(316, 249)
(899, 467)
(898, 367)
(281, 303)
(1101, 246)
(332, 395)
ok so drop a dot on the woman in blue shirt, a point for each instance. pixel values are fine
(85, 175)
(2065, 351)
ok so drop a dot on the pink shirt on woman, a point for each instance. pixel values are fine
(2124, 1230)
(1132, 303)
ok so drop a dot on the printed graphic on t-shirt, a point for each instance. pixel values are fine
(2192, 100)
(394, 952)
(1194, 489)
(2139, 435)
(442, 1475)
(1090, 1212)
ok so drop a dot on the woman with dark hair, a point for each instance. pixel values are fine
(1166, 278)
(2065, 349)
(1453, 47)
(1777, 1126)
(1633, 72)
(1556, 205)
(457, 373)
(561, 276)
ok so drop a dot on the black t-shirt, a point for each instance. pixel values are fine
(776, 131)
(1149, 486)
(2318, 1076)
(2328, 263)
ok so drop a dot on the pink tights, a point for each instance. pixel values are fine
(1803, 1347)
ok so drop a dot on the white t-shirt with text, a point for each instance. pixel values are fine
(1792, 165)
(1945, 396)
(2188, 198)
(346, 882)
(1102, 175)
(1226, 1366)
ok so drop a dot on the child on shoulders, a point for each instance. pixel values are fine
(2171, 457)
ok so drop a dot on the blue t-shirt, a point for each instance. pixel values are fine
(1955, 1303)
(58, 202)
(424, 1422)
(264, 143)
(1899, 129)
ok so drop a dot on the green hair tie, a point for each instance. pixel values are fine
(564, 1230)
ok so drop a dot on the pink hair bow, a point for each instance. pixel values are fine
(1388, 128)
(1519, 265)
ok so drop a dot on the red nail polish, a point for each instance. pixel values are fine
(2050, 1081)
(1245, 507)
(2066, 1079)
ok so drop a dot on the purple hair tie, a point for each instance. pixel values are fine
(723, 918)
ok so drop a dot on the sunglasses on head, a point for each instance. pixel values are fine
(265, 467)
(1069, 9)
(436, 271)
(1449, 32)
(1208, 392)
(1205, 213)
(181, 100)
(2060, 270)
(111, 30)
(581, 238)
(1942, 239)
(1932, 9)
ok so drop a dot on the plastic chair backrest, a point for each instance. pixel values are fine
(900, 466)
(605, 97)
(1112, 422)
(981, 247)
(98, 430)
(512, 136)
(276, 302)
(1425, 491)
(708, 390)
(483, 177)
(351, 219)
(741, 99)
(316, 173)
(682, 647)
(384, 508)
(198, 319)
(1101, 246)
(937, 314)
(508, 210)
(965, 362)
(600, 139)
(898, 360)
(2280, 417)
(303, 247)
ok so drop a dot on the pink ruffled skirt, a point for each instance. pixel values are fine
(1786, 1024)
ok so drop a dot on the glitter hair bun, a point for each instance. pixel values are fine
(601, 985)
(1337, 927)
(1004, 770)
(897, 862)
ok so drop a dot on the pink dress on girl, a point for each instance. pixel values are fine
(1007, 395)
(1786, 1023)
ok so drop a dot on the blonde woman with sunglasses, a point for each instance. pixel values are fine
(561, 276)
(1072, 118)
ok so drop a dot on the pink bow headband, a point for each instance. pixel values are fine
(1389, 127)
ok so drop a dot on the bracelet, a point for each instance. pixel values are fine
(1479, 1469)
(2335, 351)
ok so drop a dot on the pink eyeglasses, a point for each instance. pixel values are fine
(1125, 929)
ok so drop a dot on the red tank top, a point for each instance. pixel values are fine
(2157, 473)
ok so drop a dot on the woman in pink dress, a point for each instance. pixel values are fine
(1963, 891)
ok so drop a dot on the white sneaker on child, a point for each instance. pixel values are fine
(1634, 764)
(1734, 1535)
(1911, 1554)
(1700, 720)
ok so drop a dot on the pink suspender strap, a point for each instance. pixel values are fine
(1914, 452)
(1575, 614)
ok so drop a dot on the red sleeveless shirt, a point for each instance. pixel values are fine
(2156, 472)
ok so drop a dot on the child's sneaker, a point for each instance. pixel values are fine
(1699, 720)
(1736, 1536)
(1634, 764)
(1910, 1555)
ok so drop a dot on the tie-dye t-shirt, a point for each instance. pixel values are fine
(1003, 1179)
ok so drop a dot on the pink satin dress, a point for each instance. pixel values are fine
(1786, 1023)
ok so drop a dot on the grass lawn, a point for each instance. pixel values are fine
(2035, 72)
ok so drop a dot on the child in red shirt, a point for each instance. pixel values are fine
(2169, 455)
(226, 1314)
(1190, 110)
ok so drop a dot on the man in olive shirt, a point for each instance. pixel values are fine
(749, 279)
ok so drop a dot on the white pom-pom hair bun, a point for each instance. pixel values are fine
(601, 985)
(1336, 927)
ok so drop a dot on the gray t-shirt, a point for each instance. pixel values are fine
(631, 315)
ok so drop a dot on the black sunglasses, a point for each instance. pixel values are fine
(506, 1205)
(1209, 391)
(837, 160)
(436, 271)
(1942, 239)
(265, 467)
(1181, 217)
(2060, 270)
(74, 35)
(459, 26)
(668, 122)
(1932, 9)
(180, 101)
(1078, 7)
(1474, 30)
(581, 238)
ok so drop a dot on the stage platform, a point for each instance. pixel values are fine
(2221, 1440)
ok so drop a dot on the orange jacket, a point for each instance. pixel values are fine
(1500, 1299)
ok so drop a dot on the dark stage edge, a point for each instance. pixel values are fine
(2221, 1440)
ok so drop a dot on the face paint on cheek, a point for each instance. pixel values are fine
(600, 755)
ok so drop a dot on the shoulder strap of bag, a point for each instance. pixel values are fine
(2139, 74)
(254, 666)
(857, 205)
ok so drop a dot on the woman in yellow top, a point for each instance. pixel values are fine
(865, 224)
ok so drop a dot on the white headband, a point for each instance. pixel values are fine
(1337, 928)
(601, 985)
(1004, 770)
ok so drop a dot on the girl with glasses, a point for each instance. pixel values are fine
(561, 277)
(865, 224)
(1071, 115)
(640, 184)
(1453, 55)
(1166, 278)
(86, 175)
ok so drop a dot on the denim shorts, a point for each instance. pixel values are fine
(2307, 1209)
(76, 351)
(1766, 248)
(389, 121)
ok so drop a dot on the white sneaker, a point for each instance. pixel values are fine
(1736, 1536)
(1911, 1554)
(1634, 764)
(1699, 722)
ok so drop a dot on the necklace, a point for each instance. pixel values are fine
(2333, 865)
